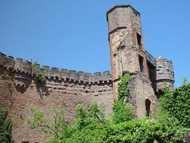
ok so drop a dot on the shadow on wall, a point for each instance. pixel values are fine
(42, 90)
(22, 81)
(20, 89)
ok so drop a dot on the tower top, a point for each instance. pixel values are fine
(121, 6)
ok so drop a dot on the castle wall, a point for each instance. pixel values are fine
(20, 111)
(139, 94)
(63, 88)
(68, 88)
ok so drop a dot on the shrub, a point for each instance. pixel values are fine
(5, 127)
(39, 77)
(121, 112)
(177, 104)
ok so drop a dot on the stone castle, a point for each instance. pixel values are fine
(67, 88)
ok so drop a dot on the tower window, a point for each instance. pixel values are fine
(147, 104)
(141, 63)
(139, 40)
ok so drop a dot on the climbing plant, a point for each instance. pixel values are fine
(39, 77)
(123, 90)
(122, 111)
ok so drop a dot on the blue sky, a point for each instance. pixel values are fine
(73, 34)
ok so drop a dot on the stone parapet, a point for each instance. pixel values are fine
(25, 66)
(6, 61)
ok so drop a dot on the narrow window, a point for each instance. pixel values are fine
(147, 104)
(141, 63)
(139, 41)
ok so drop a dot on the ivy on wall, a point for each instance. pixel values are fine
(39, 77)
(123, 90)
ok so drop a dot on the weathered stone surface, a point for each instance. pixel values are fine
(187, 138)
(164, 74)
(20, 93)
(128, 55)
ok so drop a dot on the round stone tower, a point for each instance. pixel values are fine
(164, 74)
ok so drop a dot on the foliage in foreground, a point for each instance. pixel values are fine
(5, 127)
(177, 104)
(52, 128)
(121, 112)
(91, 126)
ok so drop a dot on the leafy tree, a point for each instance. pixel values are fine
(93, 114)
(144, 131)
(184, 80)
(177, 104)
(121, 112)
(92, 133)
(81, 117)
(88, 127)
(52, 128)
(5, 127)
(91, 126)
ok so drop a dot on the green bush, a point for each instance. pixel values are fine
(53, 128)
(90, 125)
(85, 117)
(5, 127)
(144, 131)
(177, 104)
(39, 77)
(121, 112)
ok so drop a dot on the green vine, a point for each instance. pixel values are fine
(39, 77)
(123, 90)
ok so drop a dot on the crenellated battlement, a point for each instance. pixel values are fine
(25, 66)
(6, 61)
(79, 76)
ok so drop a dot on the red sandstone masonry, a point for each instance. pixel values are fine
(63, 88)
(128, 55)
